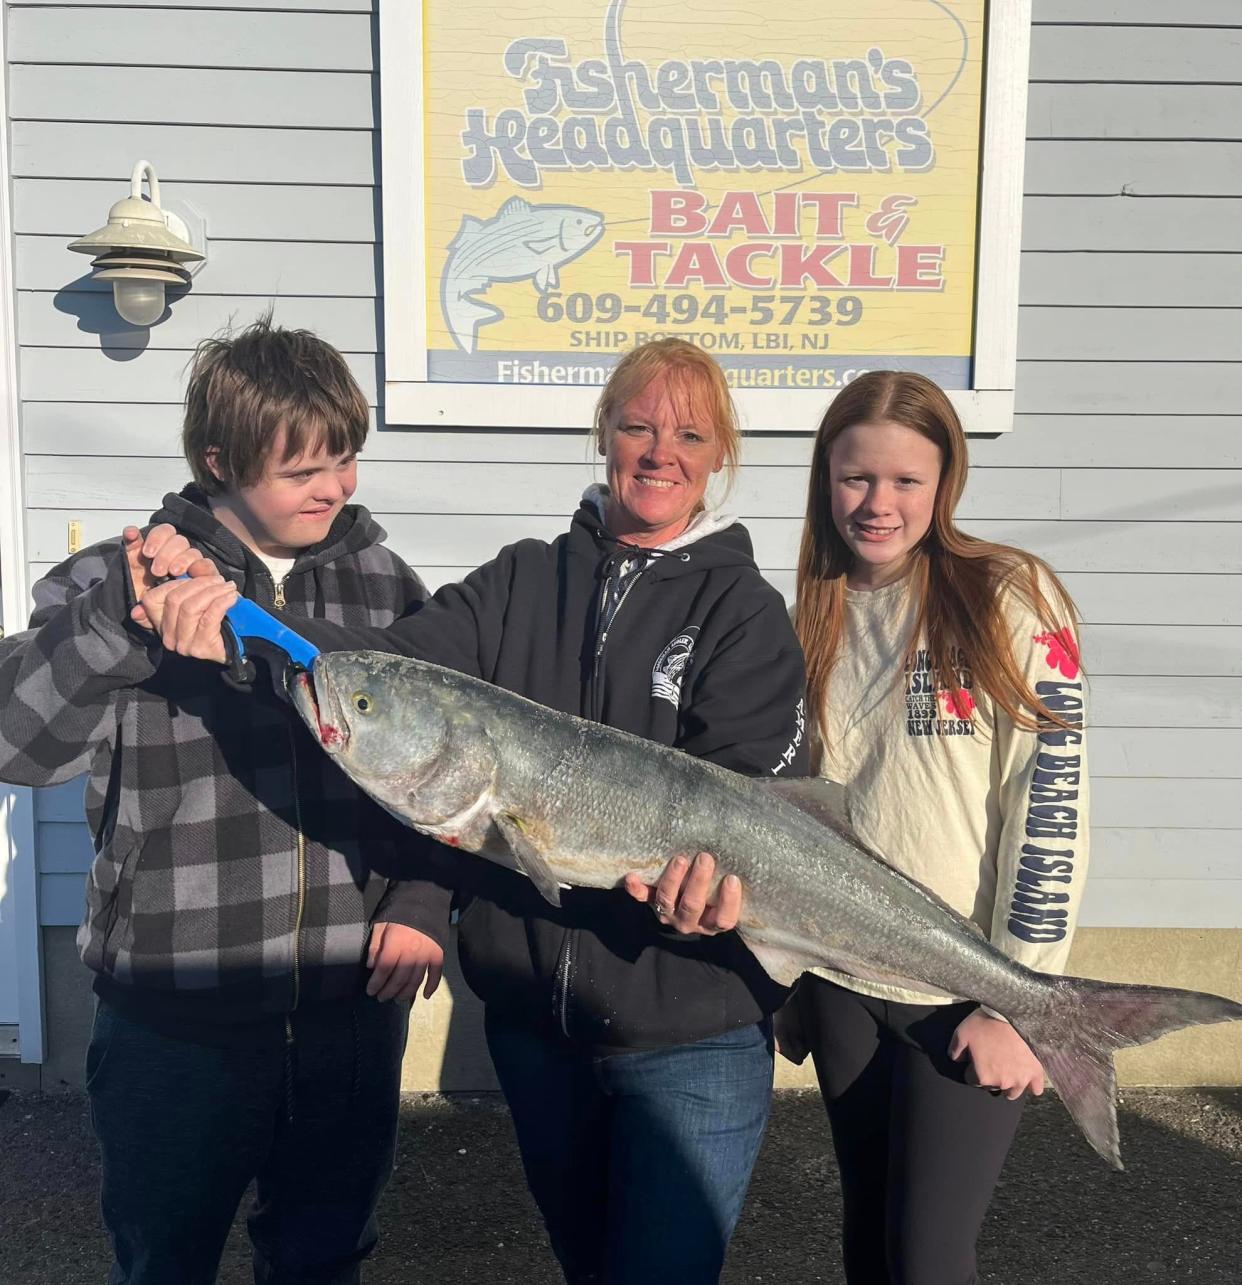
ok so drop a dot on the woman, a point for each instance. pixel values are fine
(636, 1060)
(945, 693)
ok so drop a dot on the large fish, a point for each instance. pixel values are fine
(566, 801)
(520, 241)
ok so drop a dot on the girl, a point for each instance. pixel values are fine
(946, 694)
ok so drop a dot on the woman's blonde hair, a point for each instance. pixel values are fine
(958, 580)
(695, 380)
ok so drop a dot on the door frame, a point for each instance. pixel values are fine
(17, 826)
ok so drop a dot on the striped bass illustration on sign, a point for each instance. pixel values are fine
(520, 241)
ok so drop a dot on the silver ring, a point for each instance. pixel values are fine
(660, 909)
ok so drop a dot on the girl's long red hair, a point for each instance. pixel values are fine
(959, 581)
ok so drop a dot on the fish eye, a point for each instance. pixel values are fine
(362, 702)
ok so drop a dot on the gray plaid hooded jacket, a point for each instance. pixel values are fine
(237, 871)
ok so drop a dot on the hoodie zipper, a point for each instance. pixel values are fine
(278, 600)
(564, 965)
(596, 690)
(301, 855)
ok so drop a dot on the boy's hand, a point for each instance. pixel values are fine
(399, 957)
(164, 552)
(188, 615)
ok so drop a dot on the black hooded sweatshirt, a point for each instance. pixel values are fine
(699, 654)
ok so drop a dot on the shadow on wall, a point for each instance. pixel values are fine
(446, 1051)
(97, 315)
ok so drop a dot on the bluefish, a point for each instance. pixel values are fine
(569, 802)
(521, 240)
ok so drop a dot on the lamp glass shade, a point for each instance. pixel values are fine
(141, 303)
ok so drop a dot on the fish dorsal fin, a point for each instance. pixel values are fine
(823, 799)
(530, 861)
(514, 205)
(469, 226)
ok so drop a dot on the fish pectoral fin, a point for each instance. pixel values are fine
(542, 244)
(547, 278)
(823, 799)
(530, 861)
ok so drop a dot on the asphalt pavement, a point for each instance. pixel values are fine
(457, 1209)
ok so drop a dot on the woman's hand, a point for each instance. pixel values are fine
(679, 898)
(1000, 1059)
(399, 957)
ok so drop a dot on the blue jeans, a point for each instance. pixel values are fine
(639, 1162)
(183, 1128)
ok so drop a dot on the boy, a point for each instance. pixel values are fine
(242, 887)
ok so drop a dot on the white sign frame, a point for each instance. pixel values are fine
(410, 399)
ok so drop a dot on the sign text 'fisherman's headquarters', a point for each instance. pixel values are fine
(598, 174)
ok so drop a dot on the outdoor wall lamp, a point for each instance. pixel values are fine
(141, 250)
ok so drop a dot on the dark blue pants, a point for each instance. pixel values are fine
(184, 1127)
(639, 1162)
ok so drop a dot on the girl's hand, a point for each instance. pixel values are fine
(1000, 1059)
(679, 898)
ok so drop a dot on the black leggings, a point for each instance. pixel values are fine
(919, 1149)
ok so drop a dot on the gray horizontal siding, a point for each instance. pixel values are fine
(1134, 168)
(77, 320)
(303, 6)
(1146, 112)
(1161, 278)
(1064, 223)
(177, 37)
(157, 376)
(193, 153)
(211, 96)
(234, 211)
(1122, 468)
(1156, 54)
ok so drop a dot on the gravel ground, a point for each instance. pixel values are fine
(457, 1210)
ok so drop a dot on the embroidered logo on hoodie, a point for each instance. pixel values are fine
(671, 665)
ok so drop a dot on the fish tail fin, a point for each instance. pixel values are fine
(1076, 1042)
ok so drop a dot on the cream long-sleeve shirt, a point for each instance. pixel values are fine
(990, 817)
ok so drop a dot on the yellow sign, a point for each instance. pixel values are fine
(794, 190)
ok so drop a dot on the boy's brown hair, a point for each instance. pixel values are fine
(244, 388)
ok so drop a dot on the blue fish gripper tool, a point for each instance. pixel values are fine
(246, 621)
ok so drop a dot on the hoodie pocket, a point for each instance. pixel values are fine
(107, 898)
(119, 923)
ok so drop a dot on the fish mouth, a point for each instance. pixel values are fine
(332, 731)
